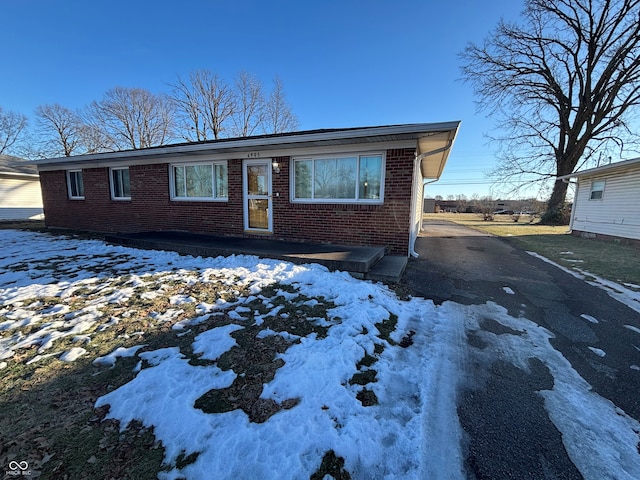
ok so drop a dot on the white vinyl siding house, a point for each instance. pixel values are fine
(20, 193)
(607, 200)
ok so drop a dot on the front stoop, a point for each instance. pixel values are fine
(368, 263)
(389, 269)
(357, 260)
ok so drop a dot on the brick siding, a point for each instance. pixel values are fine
(151, 209)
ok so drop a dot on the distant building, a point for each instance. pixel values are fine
(447, 206)
(20, 194)
(429, 205)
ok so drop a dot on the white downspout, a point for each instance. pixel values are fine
(573, 207)
(412, 216)
(417, 176)
(412, 250)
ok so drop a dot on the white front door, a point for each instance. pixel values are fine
(257, 195)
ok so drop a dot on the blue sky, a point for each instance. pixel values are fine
(343, 63)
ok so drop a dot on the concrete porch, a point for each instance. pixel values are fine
(362, 262)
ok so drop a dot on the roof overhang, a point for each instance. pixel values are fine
(433, 151)
(604, 169)
(431, 140)
(20, 176)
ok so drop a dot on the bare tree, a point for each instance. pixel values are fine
(462, 202)
(486, 205)
(129, 118)
(249, 105)
(204, 104)
(189, 111)
(94, 137)
(563, 86)
(59, 130)
(278, 117)
(12, 126)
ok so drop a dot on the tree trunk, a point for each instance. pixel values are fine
(557, 212)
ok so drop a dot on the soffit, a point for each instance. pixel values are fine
(434, 150)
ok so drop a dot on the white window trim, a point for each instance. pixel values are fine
(111, 186)
(70, 193)
(172, 183)
(356, 200)
(601, 190)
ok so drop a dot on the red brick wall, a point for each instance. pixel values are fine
(151, 209)
(353, 224)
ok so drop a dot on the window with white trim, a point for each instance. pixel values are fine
(597, 190)
(120, 184)
(339, 179)
(75, 185)
(199, 181)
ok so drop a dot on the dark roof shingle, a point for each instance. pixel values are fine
(9, 164)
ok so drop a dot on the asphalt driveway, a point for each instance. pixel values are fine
(509, 431)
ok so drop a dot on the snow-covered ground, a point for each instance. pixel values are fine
(412, 432)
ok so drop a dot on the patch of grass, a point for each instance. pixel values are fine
(48, 417)
(609, 260)
(184, 460)
(606, 259)
(366, 361)
(502, 225)
(49, 421)
(255, 360)
(367, 397)
(333, 466)
(386, 327)
(364, 377)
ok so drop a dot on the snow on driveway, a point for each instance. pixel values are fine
(411, 432)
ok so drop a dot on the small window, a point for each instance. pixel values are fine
(340, 179)
(597, 190)
(202, 181)
(75, 185)
(120, 185)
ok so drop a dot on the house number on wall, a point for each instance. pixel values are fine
(253, 155)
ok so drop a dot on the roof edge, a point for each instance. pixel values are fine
(33, 176)
(603, 168)
(258, 141)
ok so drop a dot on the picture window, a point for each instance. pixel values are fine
(201, 181)
(339, 179)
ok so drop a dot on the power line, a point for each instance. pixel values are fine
(463, 182)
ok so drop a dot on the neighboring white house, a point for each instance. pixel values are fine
(20, 193)
(607, 200)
